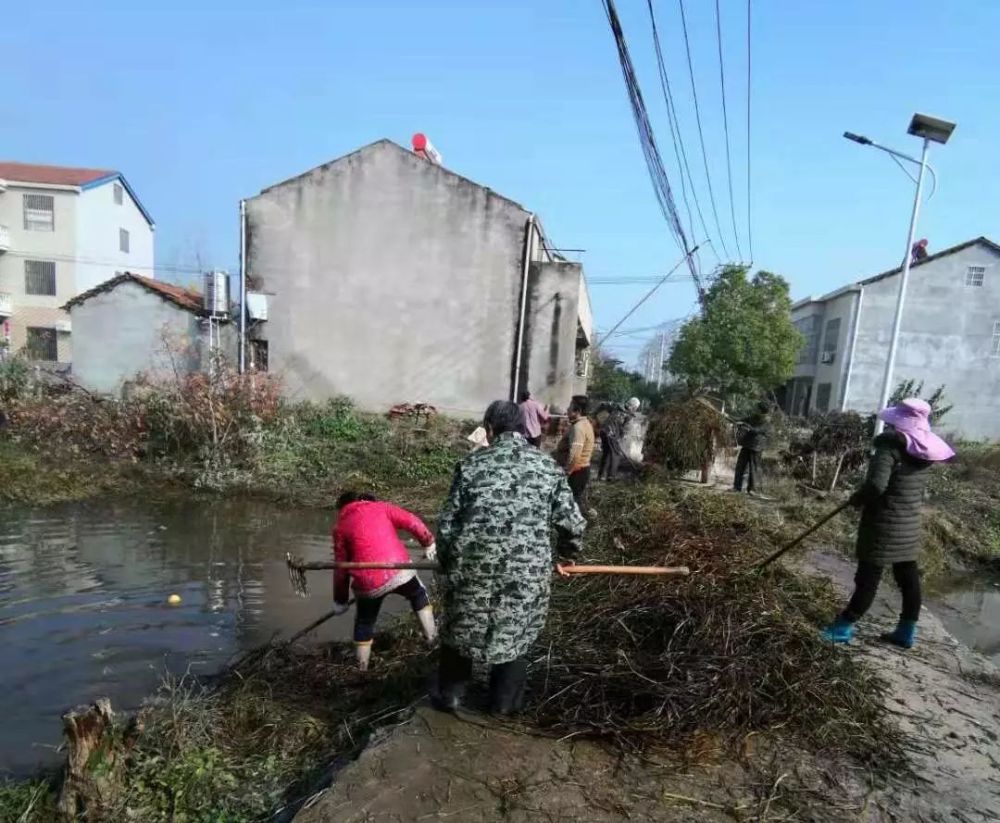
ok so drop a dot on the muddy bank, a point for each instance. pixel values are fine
(946, 699)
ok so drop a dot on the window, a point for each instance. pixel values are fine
(118, 194)
(830, 339)
(995, 352)
(258, 354)
(40, 277)
(123, 240)
(39, 212)
(823, 398)
(974, 275)
(809, 326)
(42, 344)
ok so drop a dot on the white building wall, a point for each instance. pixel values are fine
(947, 338)
(834, 351)
(100, 219)
(129, 330)
(58, 246)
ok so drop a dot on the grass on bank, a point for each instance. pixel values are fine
(305, 454)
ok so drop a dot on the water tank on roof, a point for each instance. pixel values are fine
(215, 296)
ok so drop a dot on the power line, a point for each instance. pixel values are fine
(749, 224)
(701, 133)
(631, 281)
(680, 153)
(68, 258)
(725, 127)
(647, 295)
(647, 141)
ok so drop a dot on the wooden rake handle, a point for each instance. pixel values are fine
(767, 561)
(667, 571)
(332, 564)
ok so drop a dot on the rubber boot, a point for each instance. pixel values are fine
(507, 687)
(840, 631)
(454, 671)
(904, 635)
(426, 618)
(363, 652)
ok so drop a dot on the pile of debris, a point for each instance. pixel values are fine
(728, 651)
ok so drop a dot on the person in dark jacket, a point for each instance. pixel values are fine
(612, 435)
(889, 533)
(752, 440)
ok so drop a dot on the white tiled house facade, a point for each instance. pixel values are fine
(62, 231)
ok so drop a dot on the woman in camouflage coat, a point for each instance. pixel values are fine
(495, 551)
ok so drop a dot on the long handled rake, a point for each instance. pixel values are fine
(767, 561)
(297, 569)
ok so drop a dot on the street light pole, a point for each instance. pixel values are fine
(890, 362)
(928, 128)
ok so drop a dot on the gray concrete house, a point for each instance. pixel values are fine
(950, 335)
(391, 279)
(131, 324)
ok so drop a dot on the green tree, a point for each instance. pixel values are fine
(911, 388)
(609, 381)
(743, 343)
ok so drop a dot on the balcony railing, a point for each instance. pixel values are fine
(6, 304)
(4, 239)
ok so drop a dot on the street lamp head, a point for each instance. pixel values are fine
(931, 128)
(857, 138)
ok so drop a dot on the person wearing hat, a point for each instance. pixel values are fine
(889, 532)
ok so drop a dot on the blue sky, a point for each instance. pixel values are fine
(203, 103)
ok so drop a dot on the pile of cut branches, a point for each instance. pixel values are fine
(727, 651)
(687, 435)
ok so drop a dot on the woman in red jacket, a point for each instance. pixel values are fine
(366, 533)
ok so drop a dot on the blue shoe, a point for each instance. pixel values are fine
(904, 635)
(840, 631)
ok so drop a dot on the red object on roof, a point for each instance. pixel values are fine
(187, 299)
(419, 141)
(51, 175)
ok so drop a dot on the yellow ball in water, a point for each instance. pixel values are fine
(174, 600)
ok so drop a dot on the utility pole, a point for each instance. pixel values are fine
(659, 373)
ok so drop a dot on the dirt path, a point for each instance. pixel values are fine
(438, 767)
(946, 697)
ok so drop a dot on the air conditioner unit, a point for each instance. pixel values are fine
(827, 357)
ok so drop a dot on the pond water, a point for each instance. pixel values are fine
(969, 606)
(84, 612)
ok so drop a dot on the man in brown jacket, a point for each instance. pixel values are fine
(576, 449)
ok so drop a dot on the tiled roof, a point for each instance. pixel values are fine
(51, 175)
(187, 299)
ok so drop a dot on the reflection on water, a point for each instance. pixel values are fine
(83, 602)
(969, 607)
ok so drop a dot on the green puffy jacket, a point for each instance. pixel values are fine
(891, 497)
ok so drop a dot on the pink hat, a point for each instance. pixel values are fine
(912, 419)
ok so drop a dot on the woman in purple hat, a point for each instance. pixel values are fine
(889, 533)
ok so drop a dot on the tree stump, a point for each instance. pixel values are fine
(91, 780)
